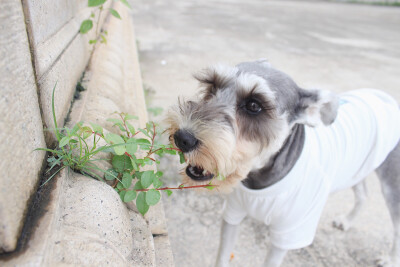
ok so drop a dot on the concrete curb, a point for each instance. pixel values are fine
(85, 222)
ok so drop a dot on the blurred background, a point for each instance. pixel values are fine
(334, 45)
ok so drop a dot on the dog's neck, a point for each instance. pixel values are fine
(279, 164)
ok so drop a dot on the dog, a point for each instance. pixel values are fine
(278, 151)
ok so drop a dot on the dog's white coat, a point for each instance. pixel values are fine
(366, 129)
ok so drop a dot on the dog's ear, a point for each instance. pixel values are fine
(214, 78)
(317, 107)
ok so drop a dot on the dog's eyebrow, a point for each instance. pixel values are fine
(266, 104)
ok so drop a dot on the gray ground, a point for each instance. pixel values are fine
(327, 45)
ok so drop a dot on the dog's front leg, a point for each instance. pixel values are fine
(275, 257)
(229, 233)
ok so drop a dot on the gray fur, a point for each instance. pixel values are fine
(389, 176)
(290, 98)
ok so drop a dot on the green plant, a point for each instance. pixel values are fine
(87, 24)
(132, 150)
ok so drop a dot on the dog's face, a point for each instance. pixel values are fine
(241, 118)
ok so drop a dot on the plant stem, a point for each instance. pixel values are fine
(177, 188)
(98, 21)
(126, 128)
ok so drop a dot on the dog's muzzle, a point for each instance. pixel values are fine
(187, 142)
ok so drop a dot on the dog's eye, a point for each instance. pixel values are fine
(253, 107)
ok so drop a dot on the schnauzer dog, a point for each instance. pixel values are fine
(280, 150)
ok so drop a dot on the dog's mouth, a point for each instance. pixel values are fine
(198, 173)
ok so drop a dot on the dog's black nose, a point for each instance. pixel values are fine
(185, 141)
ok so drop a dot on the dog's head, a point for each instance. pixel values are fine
(240, 119)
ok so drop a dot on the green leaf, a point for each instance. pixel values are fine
(121, 163)
(138, 186)
(127, 180)
(143, 143)
(141, 204)
(181, 158)
(120, 186)
(115, 139)
(131, 146)
(210, 187)
(152, 197)
(159, 174)
(147, 178)
(148, 161)
(76, 128)
(220, 177)
(53, 110)
(134, 165)
(121, 194)
(64, 141)
(170, 151)
(86, 26)
(115, 13)
(130, 195)
(92, 41)
(169, 192)
(131, 117)
(125, 2)
(104, 41)
(157, 183)
(92, 3)
(86, 132)
(149, 127)
(115, 121)
(110, 174)
(97, 128)
(130, 127)
(155, 110)
(144, 132)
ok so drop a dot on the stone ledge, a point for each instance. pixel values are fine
(86, 224)
(21, 124)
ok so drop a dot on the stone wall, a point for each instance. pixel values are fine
(21, 124)
(75, 220)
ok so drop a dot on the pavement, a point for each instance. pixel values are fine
(320, 44)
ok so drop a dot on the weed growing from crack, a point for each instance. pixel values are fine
(87, 24)
(131, 151)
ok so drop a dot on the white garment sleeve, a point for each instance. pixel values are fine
(234, 211)
(298, 237)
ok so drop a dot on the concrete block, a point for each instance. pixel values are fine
(156, 219)
(64, 74)
(60, 52)
(21, 125)
(94, 220)
(86, 224)
(163, 252)
(53, 26)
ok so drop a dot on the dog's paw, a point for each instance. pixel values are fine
(341, 223)
(384, 261)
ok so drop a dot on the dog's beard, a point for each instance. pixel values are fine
(228, 166)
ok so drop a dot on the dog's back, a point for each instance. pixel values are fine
(366, 129)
